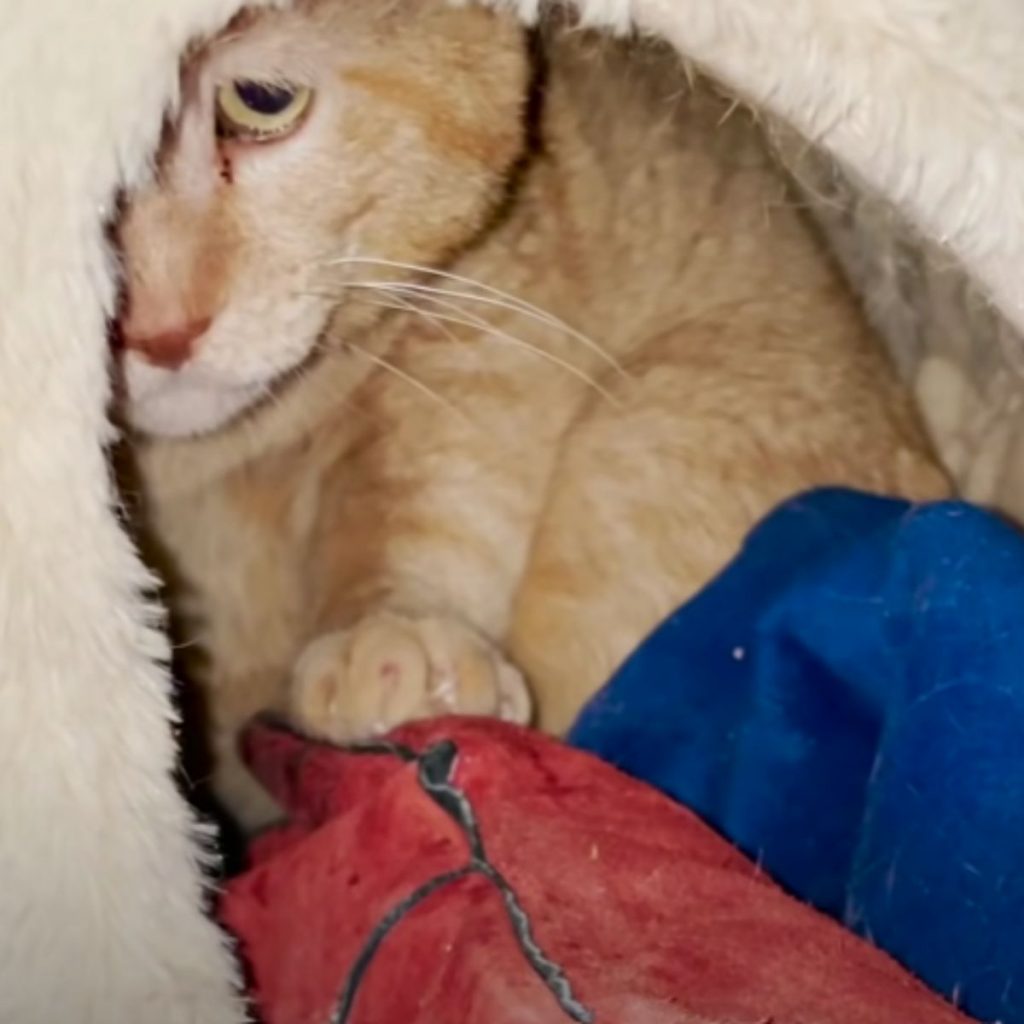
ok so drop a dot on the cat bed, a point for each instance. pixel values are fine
(846, 704)
(962, 358)
(475, 871)
(920, 109)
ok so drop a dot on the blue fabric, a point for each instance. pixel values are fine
(846, 703)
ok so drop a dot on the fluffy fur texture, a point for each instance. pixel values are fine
(923, 100)
(99, 917)
(430, 489)
(962, 358)
(100, 861)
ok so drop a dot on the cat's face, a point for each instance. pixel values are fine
(309, 142)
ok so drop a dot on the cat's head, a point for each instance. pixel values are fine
(309, 143)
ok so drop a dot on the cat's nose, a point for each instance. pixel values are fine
(168, 349)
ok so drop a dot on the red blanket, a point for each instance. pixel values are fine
(475, 872)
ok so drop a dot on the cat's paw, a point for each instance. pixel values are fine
(391, 668)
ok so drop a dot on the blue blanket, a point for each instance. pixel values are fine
(846, 703)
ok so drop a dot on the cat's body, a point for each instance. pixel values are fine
(479, 504)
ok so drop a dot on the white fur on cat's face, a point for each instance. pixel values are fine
(414, 122)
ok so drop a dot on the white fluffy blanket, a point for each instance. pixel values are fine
(100, 863)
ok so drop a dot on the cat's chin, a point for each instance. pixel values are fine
(189, 410)
(185, 403)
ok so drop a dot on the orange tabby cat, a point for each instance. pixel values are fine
(461, 358)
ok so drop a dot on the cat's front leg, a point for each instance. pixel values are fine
(392, 667)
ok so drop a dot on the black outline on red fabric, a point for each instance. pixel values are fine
(435, 771)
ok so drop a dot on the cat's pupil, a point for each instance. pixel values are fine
(263, 98)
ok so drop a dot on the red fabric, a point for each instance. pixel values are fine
(652, 917)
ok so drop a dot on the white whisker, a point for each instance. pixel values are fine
(411, 307)
(478, 323)
(512, 305)
(459, 315)
(402, 375)
(507, 299)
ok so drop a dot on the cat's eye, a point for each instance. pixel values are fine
(251, 111)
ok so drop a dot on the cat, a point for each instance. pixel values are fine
(457, 355)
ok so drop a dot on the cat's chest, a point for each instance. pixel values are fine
(240, 552)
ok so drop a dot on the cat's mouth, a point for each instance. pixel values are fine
(241, 361)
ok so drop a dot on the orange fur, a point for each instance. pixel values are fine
(420, 490)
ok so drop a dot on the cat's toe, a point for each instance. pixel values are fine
(390, 668)
(357, 683)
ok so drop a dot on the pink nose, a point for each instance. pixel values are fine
(169, 349)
